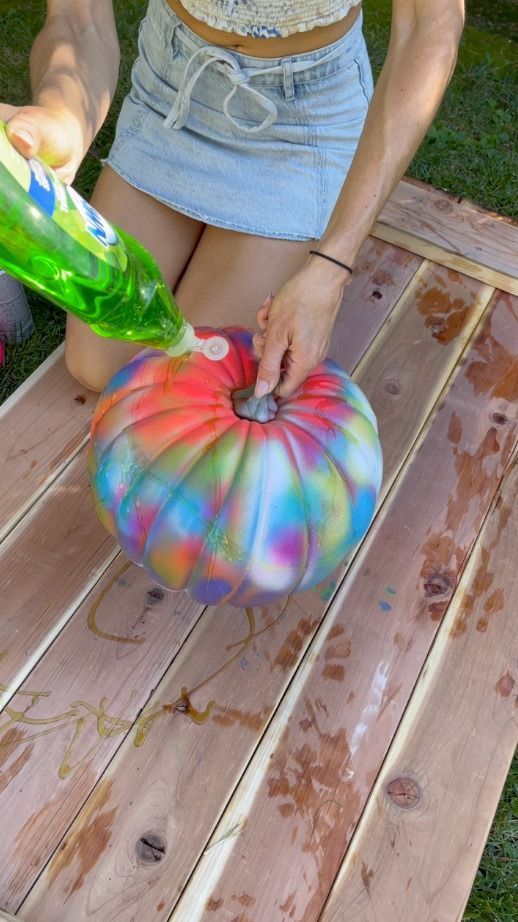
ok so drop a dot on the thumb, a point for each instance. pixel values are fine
(269, 370)
(23, 131)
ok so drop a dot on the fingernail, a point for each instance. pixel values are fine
(23, 135)
(261, 388)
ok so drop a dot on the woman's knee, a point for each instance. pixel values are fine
(85, 372)
(91, 360)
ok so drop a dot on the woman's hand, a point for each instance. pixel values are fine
(295, 326)
(74, 63)
(54, 136)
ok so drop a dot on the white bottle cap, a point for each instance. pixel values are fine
(213, 348)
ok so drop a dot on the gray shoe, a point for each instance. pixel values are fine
(16, 323)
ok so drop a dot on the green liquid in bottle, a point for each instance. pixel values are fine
(56, 243)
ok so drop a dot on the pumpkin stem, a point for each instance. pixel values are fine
(262, 409)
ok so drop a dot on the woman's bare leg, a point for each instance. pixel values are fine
(169, 236)
(230, 274)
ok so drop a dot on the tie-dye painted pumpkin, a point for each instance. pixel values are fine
(231, 509)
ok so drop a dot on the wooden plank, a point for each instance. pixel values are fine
(42, 426)
(5, 917)
(47, 565)
(302, 793)
(63, 726)
(381, 276)
(439, 306)
(415, 856)
(435, 225)
(189, 775)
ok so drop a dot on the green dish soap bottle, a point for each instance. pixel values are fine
(52, 240)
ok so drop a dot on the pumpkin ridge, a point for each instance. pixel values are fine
(311, 411)
(259, 507)
(130, 386)
(143, 419)
(346, 391)
(286, 439)
(134, 486)
(290, 426)
(359, 443)
(266, 431)
(199, 456)
(128, 391)
(237, 352)
(223, 504)
(344, 475)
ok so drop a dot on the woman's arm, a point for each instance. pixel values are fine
(74, 65)
(421, 57)
(420, 60)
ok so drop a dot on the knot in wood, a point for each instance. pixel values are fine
(438, 328)
(437, 584)
(443, 205)
(392, 386)
(155, 595)
(377, 294)
(500, 419)
(404, 793)
(150, 848)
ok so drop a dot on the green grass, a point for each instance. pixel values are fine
(471, 150)
(472, 147)
(494, 897)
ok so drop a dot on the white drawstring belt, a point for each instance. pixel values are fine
(238, 77)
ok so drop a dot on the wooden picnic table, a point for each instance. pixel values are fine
(336, 756)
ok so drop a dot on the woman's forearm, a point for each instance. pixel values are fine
(418, 67)
(75, 62)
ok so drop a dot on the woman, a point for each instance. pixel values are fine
(249, 139)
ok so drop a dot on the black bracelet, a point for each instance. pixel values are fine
(331, 260)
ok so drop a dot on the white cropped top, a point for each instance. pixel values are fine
(268, 18)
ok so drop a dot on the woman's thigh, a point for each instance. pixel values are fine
(169, 236)
(230, 274)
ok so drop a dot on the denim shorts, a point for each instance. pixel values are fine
(258, 145)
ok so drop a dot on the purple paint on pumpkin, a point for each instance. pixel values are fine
(289, 546)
